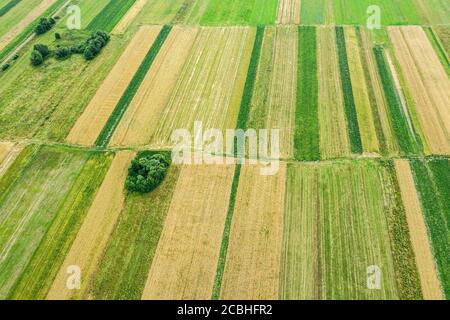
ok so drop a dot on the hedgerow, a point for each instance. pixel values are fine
(127, 97)
(349, 100)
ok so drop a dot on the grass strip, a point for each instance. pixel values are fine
(438, 48)
(407, 275)
(29, 30)
(349, 100)
(4, 10)
(407, 140)
(110, 15)
(113, 121)
(372, 97)
(181, 13)
(38, 276)
(434, 213)
(307, 136)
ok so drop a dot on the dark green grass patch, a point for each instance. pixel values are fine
(349, 100)
(408, 140)
(407, 275)
(306, 137)
(38, 276)
(5, 9)
(434, 205)
(111, 14)
(111, 125)
(123, 270)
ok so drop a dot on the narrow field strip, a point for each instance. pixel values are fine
(88, 127)
(111, 14)
(335, 228)
(334, 139)
(432, 179)
(210, 86)
(183, 12)
(443, 33)
(401, 124)
(438, 48)
(37, 277)
(431, 288)
(7, 7)
(142, 116)
(29, 207)
(5, 149)
(128, 18)
(8, 154)
(307, 132)
(289, 12)
(428, 84)
(93, 236)
(113, 121)
(360, 92)
(347, 89)
(29, 18)
(252, 265)
(124, 267)
(185, 261)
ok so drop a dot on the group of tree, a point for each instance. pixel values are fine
(147, 172)
(89, 49)
(44, 25)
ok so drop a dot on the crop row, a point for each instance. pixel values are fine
(111, 14)
(5, 9)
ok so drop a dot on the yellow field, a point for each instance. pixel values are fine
(185, 261)
(33, 15)
(427, 82)
(95, 231)
(90, 124)
(210, 86)
(360, 92)
(288, 12)
(253, 259)
(418, 232)
(334, 142)
(129, 17)
(5, 149)
(144, 113)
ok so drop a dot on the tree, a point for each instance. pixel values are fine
(43, 50)
(62, 53)
(147, 172)
(57, 36)
(36, 58)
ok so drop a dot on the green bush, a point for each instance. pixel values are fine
(57, 36)
(147, 172)
(62, 53)
(5, 66)
(43, 50)
(44, 25)
(36, 58)
(95, 44)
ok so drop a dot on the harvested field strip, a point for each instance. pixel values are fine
(431, 195)
(129, 17)
(113, 121)
(36, 279)
(307, 133)
(240, 12)
(334, 229)
(289, 12)
(360, 92)
(144, 112)
(347, 89)
(92, 121)
(29, 207)
(8, 158)
(334, 140)
(93, 236)
(211, 84)
(186, 258)
(244, 110)
(443, 33)
(5, 149)
(31, 16)
(437, 45)
(424, 257)
(253, 257)
(374, 93)
(5, 9)
(406, 138)
(428, 82)
(111, 14)
(124, 267)
(408, 280)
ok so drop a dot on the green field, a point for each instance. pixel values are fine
(111, 14)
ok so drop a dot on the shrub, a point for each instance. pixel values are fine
(62, 53)
(57, 36)
(95, 43)
(44, 25)
(5, 66)
(78, 48)
(36, 58)
(42, 49)
(147, 172)
(15, 57)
